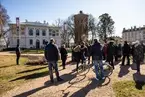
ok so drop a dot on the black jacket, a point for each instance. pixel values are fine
(51, 52)
(96, 51)
(63, 53)
(126, 49)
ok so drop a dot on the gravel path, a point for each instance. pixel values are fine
(81, 84)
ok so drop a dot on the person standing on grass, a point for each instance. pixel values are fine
(138, 55)
(110, 53)
(18, 53)
(63, 53)
(52, 56)
(96, 53)
(126, 53)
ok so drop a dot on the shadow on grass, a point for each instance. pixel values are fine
(7, 66)
(123, 71)
(139, 80)
(32, 76)
(31, 70)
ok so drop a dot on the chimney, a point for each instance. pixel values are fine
(134, 27)
(131, 28)
(123, 29)
(26, 20)
(44, 22)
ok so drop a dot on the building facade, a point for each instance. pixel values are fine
(33, 35)
(133, 34)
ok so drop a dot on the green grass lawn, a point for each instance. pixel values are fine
(12, 75)
(39, 51)
(33, 51)
(129, 89)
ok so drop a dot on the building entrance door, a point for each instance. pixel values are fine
(37, 44)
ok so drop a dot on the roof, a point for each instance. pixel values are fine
(133, 29)
(36, 24)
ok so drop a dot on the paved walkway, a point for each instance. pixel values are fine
(13, 53)
(80, 84)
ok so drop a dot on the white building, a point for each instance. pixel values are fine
(134, 34)
(33, 34)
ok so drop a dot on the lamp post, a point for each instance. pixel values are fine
(18, 30)
(65, 34)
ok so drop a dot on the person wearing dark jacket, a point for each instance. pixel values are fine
(89, 51)
(63, 53)
(116, 52)
(18, 54)
(52, 56)
(110, 54)
(138, 55)
(126, 53)
(77, 55)
(96, 53)
(119, 51)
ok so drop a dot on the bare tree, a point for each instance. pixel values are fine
(4, 18)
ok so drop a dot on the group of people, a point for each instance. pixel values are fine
(98, 52)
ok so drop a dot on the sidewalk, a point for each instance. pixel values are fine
(80, 84)
(13, 53)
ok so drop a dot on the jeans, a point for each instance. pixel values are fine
(53, 65)
(98, 66)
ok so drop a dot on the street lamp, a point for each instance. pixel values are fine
(65, 34)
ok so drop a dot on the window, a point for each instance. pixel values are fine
(31, 32)
(22, 30)
(37, 32)
(31, 42)
(43, 33)
(53, 34)
(57, 31)
(44, 41)
(57, 34)
(50, 30)
(49, 33)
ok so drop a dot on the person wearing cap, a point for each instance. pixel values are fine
(96, 53)
(52, 56)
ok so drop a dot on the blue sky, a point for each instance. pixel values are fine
(125, 13)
